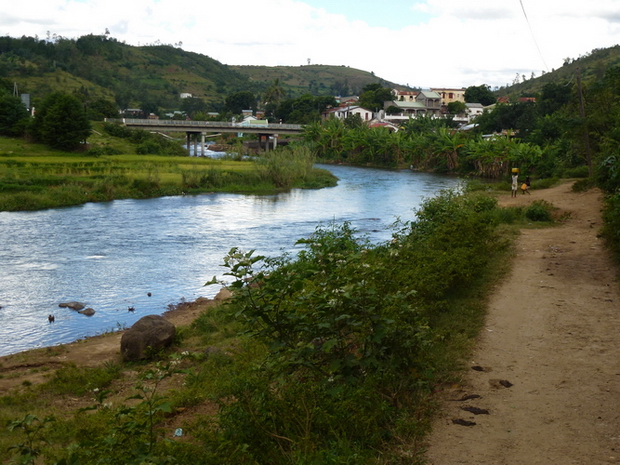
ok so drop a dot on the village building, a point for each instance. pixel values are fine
(342, 112)
(404, 95)
(449, 95)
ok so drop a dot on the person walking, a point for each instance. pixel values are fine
(515, 184)
(527, 186)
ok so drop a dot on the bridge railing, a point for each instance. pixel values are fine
(202, 124)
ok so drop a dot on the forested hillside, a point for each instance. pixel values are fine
(152, 77)
(147, 77)
(592, 67)
(315, 79)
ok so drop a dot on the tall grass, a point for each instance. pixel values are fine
(39, 182)
(284, 167)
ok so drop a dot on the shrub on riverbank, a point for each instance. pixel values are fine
(328, 357)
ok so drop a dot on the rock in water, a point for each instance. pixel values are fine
(87, 311)
(72, 305)
(151, 332)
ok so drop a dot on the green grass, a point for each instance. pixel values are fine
(33, 177)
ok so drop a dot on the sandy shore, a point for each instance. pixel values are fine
(35, 366)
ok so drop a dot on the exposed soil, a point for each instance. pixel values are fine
(36, 366)
(547, 364)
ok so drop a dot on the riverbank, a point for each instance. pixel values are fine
(551, 332)
(36, 366)
(24, 371)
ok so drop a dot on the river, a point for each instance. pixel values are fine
(110, 256)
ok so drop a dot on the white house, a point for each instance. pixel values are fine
(344, 112)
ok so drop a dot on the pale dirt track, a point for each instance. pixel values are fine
(553, 331)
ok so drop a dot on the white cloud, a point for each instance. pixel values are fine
(458, 44)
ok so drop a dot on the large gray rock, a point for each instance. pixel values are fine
(87, 311)
(151, 332)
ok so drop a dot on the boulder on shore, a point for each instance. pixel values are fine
(223, 294)
(77, 306)
(149, 333)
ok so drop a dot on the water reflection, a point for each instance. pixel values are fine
(111, 255)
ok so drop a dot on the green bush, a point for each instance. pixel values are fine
(577, 172)
(539, 210)
(117, 130)
(611, 217)
(99, 150)
(348, 330)
(583, 185)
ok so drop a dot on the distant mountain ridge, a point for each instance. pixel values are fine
(153, 77)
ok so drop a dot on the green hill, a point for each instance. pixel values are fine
(314, 79)
(592, 67)
(98, 66)
(153, 77)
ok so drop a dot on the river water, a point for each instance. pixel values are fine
(111, 255)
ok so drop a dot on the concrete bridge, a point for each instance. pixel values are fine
(195, 129)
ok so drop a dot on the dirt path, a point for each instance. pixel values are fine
(553, 332)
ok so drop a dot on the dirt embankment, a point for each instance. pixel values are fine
(552, 332)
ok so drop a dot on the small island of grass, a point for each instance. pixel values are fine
(34, 177)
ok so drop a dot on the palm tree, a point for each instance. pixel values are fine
(274, 93)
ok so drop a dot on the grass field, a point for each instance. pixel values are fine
(34, 177)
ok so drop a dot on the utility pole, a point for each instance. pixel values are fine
(582, 114)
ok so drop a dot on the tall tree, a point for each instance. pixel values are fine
(274, 93)
(480, 94)
(13, 115)
(374, 96)
(239, 101)
(61, 122)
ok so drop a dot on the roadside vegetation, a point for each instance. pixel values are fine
(328, 357)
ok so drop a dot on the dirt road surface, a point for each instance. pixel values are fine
(547, 364)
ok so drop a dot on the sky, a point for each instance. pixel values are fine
(420, 43)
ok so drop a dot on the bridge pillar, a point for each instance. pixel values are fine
(202, 144)
(188, 141)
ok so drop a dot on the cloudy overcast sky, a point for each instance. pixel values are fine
(422, 43)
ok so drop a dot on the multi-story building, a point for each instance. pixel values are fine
(449, 95)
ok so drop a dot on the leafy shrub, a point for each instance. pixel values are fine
(577, 172)
(611, 216)
(583, 185)
(117, 130)
(149, 147)
(284, 167)
(347, 331)
(539, 210)
(99, 150)
(544, 183)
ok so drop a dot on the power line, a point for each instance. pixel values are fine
(533, 35)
